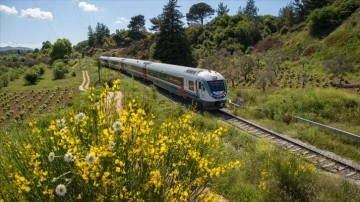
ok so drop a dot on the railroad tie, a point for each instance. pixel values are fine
(328, 165)
(350, 174)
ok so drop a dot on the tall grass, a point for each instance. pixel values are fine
(263, 174)
(92, 153)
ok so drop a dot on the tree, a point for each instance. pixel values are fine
(61, 49)
(46, 45)
(299, 11)
(156, 23)
(60, 69)
(309, 5)
(322, 22)
(266, 77)
(250, 9)
(247, 66)
(91, 37)
(137, 23)
(199, 12)
(222, 9)
(339, 66)
(287, 15)
(101, 32)
(31, 77)
(172, 45)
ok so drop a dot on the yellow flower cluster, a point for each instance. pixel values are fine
(97, 154)
(21, 183)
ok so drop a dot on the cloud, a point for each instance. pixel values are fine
(8, 10)
(121, 20)
(36, 13)
(87, 7)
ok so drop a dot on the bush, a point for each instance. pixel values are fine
(31, 77)
(284, 30)
(4, 80)
(40, 69)
(60, 69)
(95, 155)
(322, 22)
(73, 74)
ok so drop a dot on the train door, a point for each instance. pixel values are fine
(201, 89)
(182, 90)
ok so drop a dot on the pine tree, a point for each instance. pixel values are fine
(172, 46)
(250, 9)
(222, 10)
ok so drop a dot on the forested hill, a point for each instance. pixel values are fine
(313, 28)
(297, 42)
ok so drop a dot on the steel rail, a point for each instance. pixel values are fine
(324, 159)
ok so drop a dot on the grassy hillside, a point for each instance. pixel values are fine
(262, 175)
(301, 48)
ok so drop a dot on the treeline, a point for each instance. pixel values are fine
(239, 32)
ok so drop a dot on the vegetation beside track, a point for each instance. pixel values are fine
(263, 175)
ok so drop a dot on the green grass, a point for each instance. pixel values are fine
(45, 82)
(242, 184)
(275, 109)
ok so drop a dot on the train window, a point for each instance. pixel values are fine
(201, 86)
(191, 85)
(216, 86)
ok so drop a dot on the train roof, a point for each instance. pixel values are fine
(176, 70)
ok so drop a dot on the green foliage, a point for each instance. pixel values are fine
(250, 9)
(40, 68)
(222, 9)
(46, 45)
(61, 49)
(339, 66)
(309, 6)
(172, 46)
(4, 80)
(137, 23)
(324, 105)
(322, 22)
(199, 12)
(30, 77)
(284, 30)
(99, 35)
(60, 69)
(122, 38)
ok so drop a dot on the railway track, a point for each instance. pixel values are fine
(323, 159)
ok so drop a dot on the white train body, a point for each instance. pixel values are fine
(208, 88)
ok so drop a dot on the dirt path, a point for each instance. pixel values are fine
(86, 81)
(112, 96)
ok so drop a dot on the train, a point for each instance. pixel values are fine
(207, 88)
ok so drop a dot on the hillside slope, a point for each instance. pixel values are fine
(344, 40)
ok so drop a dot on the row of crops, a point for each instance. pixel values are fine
(16, 106)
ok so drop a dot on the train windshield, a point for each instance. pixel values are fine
(217, 87)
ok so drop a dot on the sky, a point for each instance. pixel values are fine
(28, 23)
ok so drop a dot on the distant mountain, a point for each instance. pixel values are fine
(9, 48)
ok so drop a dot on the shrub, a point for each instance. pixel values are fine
(97, 155)
(60, 69)
(73, 74)
(58, 73)
(322, 22)
(40, 69)
(31, 77)
(284, 30)
(4, 80)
